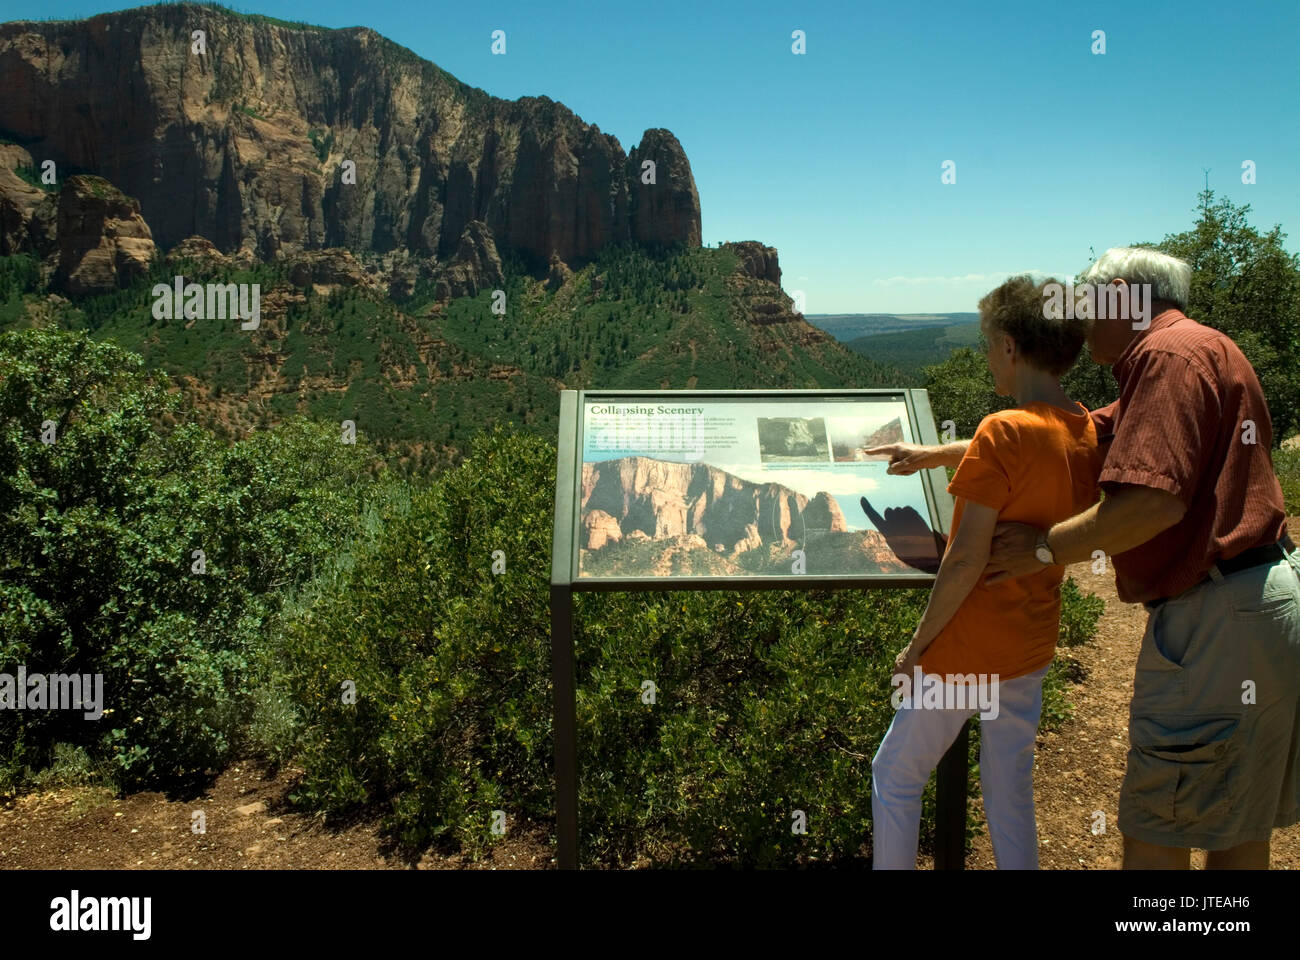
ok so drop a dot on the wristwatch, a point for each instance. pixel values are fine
(1043, 552)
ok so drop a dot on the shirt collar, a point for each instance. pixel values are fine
(1158, 322)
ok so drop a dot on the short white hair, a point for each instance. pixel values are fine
(1169, 277)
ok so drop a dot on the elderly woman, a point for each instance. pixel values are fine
(1036, 463)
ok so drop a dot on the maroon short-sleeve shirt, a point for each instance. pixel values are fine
(1189, 406)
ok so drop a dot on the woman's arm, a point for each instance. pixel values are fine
(963, 565)
(907, 458)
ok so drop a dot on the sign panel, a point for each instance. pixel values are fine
(674, 485)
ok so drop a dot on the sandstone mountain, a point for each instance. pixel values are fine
(374, 295)
(666, 499)
(245, 143)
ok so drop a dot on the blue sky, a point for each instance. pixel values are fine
(834, 157)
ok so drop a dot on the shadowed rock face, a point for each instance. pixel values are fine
(103, 242)
(27, 213)
(243, 144)
(475, 266)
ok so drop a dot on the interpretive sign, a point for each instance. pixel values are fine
(738, 489)
(686, 484)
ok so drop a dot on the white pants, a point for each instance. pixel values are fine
(916, 742)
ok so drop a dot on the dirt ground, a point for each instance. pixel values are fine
(249, 823)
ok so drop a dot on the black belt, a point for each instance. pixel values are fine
(1268, 553)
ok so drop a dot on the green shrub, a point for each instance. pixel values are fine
(450, 663)
(72, 766)
(273, 726)
(98, 533)
(1079, 614)
(322, 145)
(19, 273)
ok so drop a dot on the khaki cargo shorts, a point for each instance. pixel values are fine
(1214, 727)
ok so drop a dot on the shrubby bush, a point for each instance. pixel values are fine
(321, 580)
(1079, 614)
(96, 541)
(451, 664)
(19, 273)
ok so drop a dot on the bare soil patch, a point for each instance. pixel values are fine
(250, 824)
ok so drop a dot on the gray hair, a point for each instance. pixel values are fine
(1169, 277)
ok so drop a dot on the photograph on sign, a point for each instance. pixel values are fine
(734, 487)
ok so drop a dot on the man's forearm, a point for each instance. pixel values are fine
(1121, 522)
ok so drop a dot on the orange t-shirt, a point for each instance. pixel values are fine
(1035, 464)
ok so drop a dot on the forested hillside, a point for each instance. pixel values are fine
(419, 377)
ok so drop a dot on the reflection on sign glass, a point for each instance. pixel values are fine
(726, 488)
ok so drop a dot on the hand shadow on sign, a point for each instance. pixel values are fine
(908, 535)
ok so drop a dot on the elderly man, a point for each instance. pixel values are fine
(1194, 525)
